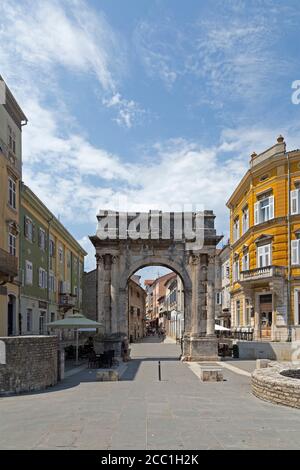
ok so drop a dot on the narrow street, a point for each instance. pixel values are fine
(139, 412)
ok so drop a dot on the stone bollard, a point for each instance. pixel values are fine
(262, 363)
(211, 374)
(108, 375)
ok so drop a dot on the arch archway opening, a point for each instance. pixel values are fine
(155, 309)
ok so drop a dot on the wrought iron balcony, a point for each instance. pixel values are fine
(8, 266)
(66, 301)
(262, 273)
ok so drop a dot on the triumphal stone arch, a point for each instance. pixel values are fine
(186, 243)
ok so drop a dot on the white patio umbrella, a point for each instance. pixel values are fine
(75, 322)
(221, 328)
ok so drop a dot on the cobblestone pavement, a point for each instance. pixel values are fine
(139, 412)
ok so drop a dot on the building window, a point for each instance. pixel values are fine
(219, 298)
(11, 140)
(60, 254)
(29, 320)
(295, 203)
(236, 270)
(245, 261)
(52, 316)
(28, 228)
(238, 311)
(28, 273)
(264, 210)
(42, 239)
(247, 312)
(42, 278)
(51, 282)
(295, 251)
(12, 239)
(236, 229)
(245, 220)
(42, 323)
(264, 256)
(68, 256)
(51, 248)
(12, 193)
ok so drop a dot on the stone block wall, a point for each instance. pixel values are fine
(269, 350)
(269, 385)
(28, 363)
(89, 295)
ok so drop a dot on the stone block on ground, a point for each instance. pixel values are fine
(107, 375)
(211, 374)
(262, 363)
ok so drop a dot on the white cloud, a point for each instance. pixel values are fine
(128, 110)
(89, 260)
(225, 52)
(38, 37)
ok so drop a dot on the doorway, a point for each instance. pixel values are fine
(265, 315)
(11, 308)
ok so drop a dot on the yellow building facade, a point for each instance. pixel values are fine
(265, 246)
(12, 119)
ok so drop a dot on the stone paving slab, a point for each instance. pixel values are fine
(139, 412)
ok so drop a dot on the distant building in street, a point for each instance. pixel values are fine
(156, 291)
(223, 287)
(174, 307)
(137, 309)
(12, 119)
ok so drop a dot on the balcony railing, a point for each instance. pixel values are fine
(262, 273)
(66, 301)
(8, 266)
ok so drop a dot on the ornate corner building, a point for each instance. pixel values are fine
(265, 245)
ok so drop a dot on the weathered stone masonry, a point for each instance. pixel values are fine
(28, 363)
(268, 384)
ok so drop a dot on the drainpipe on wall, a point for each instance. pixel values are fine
(288, 319)
(48, 267)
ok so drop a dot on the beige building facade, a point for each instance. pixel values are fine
(136, 309)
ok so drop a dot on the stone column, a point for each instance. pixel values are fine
(196, 304)
(104, 291)
(100, 292)
(210, 299)
(114, 294)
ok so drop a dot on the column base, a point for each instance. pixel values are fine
(108, 342)
(200, 348)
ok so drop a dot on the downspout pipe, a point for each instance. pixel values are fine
(289, 337)
(48, 266)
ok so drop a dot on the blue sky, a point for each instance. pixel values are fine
(145, 104)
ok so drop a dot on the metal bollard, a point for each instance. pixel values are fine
(159, 371)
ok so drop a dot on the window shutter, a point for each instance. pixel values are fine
(25, 227)
(256, 213)
(271, 202)
(33, 232)
(295, 251)
(40, 277)
(294, 201)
